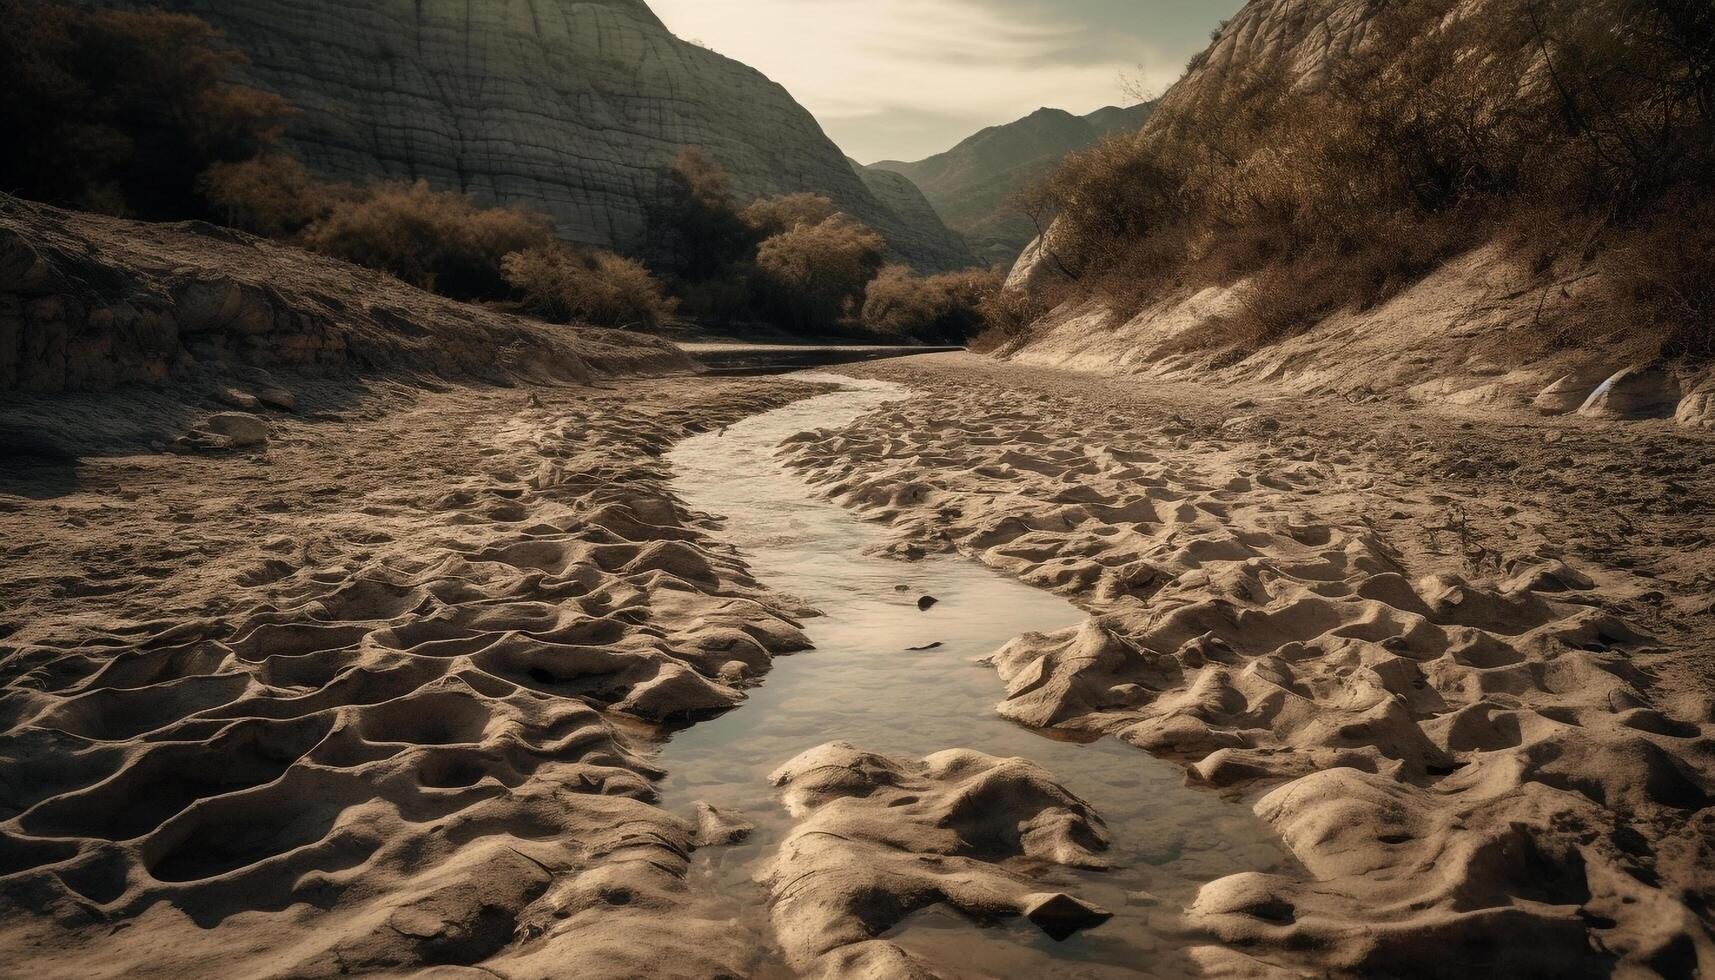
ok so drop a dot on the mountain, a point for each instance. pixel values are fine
(972, 184)
(568, 107)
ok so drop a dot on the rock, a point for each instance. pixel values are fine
(716, 827)
(567, 107)
(278, 398)
(243, 430)
(1566, 395)
(1060, 915)
(1634, 393)
(222, 306)
(1697, 410)
(925, 603)
(237, 398)
(22, 268)
(202, 442)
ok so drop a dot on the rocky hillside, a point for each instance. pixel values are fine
(88, 303)
(568, 107)
(1454, 303)
(971, 184)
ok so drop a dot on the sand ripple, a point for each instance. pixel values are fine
(419, 741)
(1466, 755)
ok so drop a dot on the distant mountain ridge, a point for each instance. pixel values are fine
(573, 108)
(970, 185)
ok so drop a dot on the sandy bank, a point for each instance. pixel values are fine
(377, 696)
(1463, 665)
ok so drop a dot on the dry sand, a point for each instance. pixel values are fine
(379, 696)
(382, 694)
(1460, 664)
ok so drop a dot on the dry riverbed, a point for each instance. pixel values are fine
(1461, 665)
(390, 693)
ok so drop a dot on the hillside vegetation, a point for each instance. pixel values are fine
(140, 114)
(972, 186)
(1580, 134)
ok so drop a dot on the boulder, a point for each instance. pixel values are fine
(1643, 392)
(1060, 915)
(716, 827)
(278, 398)
(1697, 410)
(240, 428)
(1566, 395)
(237, 398)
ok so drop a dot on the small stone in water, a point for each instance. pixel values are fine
(1060, 915)
(925, 602)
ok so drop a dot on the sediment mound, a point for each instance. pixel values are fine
(879, 838)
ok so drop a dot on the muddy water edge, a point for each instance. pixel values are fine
(864, 683)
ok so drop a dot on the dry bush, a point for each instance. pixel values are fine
(813, 276)
(121, 111)
(1455, 122)
(942, 309)
(270, 195)
(769, 216)
(569, 285)
(435, 240)
(694, 228)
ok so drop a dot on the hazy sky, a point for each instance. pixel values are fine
(904, 79)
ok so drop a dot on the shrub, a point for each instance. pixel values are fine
(121, 111)
(1455, 122)
(694, 229)
(813, 276)
(770, 216)
(942, 309)
(435, 240)
(270, 195)
(568, 285)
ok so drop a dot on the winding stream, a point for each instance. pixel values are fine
(863, 685)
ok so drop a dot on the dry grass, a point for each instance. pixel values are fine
(569, 285)
(1458, 123)
(434, 240)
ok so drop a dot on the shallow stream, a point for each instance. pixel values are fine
(862, 684)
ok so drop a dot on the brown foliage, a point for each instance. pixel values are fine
(270, 195)
(121, 111)
(435, 240)
(568, 285)
(694, 228)
(769, 216)
(942, 309)
(1457, 122)
(814, 275)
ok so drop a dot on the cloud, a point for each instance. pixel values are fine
(906, 78)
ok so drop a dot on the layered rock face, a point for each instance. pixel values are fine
(1305, 37)
(971, 185)
(569, 107)
(89, 302)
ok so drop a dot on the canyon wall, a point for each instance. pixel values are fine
(568, 107)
